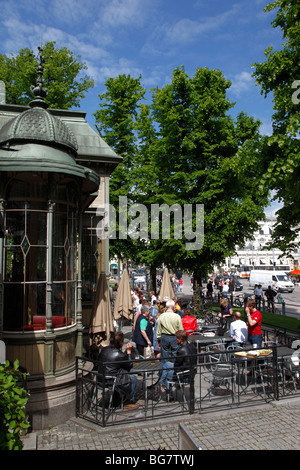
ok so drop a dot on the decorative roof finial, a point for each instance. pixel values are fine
(39, 92)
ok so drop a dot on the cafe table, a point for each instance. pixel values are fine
(205, 339)
(146, 367)
(253, 356)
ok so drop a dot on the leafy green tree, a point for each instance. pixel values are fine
(279, 75)
(62, 68)
(202, 157)
(184, 148)
(116, 123)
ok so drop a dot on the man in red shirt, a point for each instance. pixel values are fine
(189, 323)
(254, 318)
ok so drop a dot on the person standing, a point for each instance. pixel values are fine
(152, 297)
(143, 332)
(226, 313)
(189, 322)
(225, 288)
(232, 286)
(254, 318)
(210, 289)
(168, 323)
(258, 292)
(270, 294)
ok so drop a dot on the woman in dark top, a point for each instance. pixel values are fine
(226, 313)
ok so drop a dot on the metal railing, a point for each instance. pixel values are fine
(230, 382)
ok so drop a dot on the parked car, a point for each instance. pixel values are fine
(239, 285)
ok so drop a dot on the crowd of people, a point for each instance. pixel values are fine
(148, 313)
(164, 326)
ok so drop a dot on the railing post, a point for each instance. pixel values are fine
(103, 371)
(192, 387)
(76, 391)
(275, 373)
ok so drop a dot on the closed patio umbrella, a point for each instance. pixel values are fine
(101, 324)
(166, 289)
(123, 304)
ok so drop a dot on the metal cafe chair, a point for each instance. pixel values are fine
(242, 366)
(222, 371)
(109, 397)
(268, 374)
(291, 368)
(180, 382)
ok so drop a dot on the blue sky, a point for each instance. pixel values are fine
(151, 38)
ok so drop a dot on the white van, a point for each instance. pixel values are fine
(277, 279)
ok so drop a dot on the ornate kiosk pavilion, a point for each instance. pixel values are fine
(50, 257)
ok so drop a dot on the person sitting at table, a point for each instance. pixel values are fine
(226, 314)
(125, 382)
(238, 329)
(189, 322)
(186, 355)
(185, 360)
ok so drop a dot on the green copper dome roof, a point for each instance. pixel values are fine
(37, 125)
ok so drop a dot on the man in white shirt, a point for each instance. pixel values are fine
(135, 299)
(225, 289)
(238, 329)
(152, 297)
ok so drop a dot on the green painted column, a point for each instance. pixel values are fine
(49, 335)
(80, 329)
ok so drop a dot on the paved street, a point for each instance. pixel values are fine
(267, 427)
(292, 300)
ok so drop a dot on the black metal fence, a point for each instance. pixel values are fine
(223, 379)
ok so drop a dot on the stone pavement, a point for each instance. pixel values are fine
(273, 426)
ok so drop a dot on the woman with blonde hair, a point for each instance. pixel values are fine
(226, 313)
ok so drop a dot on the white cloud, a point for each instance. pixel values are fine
(241, 82)
(187, 30)
(112, 68)
(121, 66)
(123, 12)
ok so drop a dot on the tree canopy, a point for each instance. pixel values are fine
(187, 151)
(279, 75)
(62, 70)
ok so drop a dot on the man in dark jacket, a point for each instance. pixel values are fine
(185, 360)
(119, 363)
(270, 294)
(186, 356)
(143, 332)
